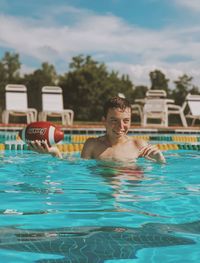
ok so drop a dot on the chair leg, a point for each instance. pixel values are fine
(64, 121)
(67, 118)
(29, 117)
(183, 119)
(3, 117)
(193, 121)
(144, 120)
(70, 116)
(6, 117)
(42, 116)
(166, 120)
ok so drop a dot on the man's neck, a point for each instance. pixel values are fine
(114, 141)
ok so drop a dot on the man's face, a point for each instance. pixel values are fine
(117, 122)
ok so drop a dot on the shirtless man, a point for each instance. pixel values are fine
(115, 144)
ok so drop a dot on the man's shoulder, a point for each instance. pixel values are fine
(94, 140)
(139, 143)
(90, 146)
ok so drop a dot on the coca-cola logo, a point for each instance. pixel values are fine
(40, 131)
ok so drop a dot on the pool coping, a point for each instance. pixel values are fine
(99, 128)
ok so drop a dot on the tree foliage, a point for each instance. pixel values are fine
(86, 85)
(45, 76)
(158, 80)
(9, 73)
(183, 87)
(139, 91)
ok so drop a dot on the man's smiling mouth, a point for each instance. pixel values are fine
(119, 133)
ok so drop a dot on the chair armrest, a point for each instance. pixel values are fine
(173, 106)
(135, 106)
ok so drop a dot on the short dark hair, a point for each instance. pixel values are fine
(115, 102)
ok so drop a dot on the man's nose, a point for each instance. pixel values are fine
(121, 124)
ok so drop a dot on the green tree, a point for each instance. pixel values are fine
(182, 87)
(195, 90)
(139, 91)
(88, 84)
(9, 70)
(158, 80)
(11, 66)
(9, 74)
(46, 76)
(2, 77)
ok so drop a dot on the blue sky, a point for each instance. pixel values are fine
(133, 37)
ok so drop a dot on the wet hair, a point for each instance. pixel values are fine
(116, 102)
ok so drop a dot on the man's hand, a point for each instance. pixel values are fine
(43, 147)
(151, 152)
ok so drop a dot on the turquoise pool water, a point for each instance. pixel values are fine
(79, 211)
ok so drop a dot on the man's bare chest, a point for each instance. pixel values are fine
(122, 152)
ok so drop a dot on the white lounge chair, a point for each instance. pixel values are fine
(177, 110)
(155, 109)
(16, 104)
(160, 109)
(52, 105)
(192, 107)
(138, 108)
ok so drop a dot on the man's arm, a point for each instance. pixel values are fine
(87, 151)
(150, 152)
(43, 147)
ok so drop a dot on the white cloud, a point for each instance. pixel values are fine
(128, 48)
(139, 74)
(193, 5)
(26, 69)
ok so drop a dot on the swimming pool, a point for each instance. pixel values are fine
(80, 211)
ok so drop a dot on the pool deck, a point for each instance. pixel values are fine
(98, 127)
